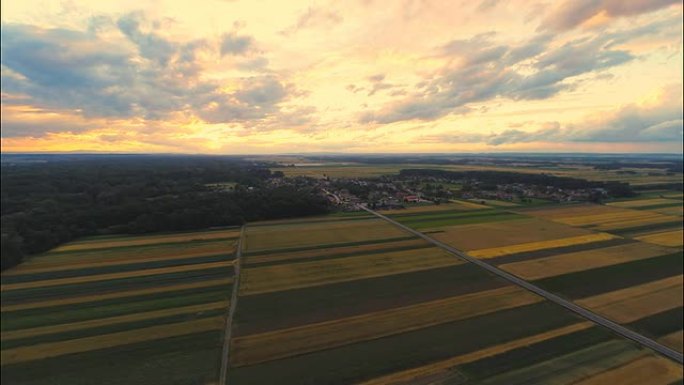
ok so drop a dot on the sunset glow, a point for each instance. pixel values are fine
(237, 77)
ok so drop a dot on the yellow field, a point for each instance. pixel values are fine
(314, 273)
(646, 370)
(583, 260)
(675, 210)
(118, 294)
(571, 210)
(673, 340)
(532, 246)
(351, 170)
(102, 277)
(360, 249)
(25, 268)
(667, 238)
(147, 240)
(608, 218)
(624, 224)
(54, 349)
(512, 232)
(53, 329)
(416, 374)
(299, 340)
(77, 260)
(636, 302)
(644, 202)
(315, 234)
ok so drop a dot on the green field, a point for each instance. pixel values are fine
(159, 309)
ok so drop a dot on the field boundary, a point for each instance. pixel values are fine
(581, 311)
(225, 353)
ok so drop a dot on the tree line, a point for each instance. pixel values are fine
(48, 203)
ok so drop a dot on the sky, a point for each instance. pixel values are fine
(358, 76)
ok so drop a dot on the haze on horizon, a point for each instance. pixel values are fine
(236, 77)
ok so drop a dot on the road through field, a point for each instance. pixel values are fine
(225, 359)
(591, 316)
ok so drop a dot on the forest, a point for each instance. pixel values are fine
(49, 200)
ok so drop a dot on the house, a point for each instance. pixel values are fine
(411, 198)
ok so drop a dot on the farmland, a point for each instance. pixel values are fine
(622, 260)
(361, 170)
(381, 307)
(350, 298)
(159, 302)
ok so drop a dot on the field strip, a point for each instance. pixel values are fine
(533, 246)
(266, 279)
(469, 205)
(60, 263)
(642, 202)
(674, 340)
(119, 294)
(583, 260)
(584, 220)
(282, 343)
(294, 255)
(104, 277)
(307, 236)
(633, 303)
(410, 375)
(101, 263)
(54, 349)
(646, 370)
(584, 312)
(667, 238)
(147, 241)
(619, 225)
(52, 329)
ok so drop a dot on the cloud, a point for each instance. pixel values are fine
(572, 13)
(658, 123)
(481, 70)
(232, 44)
(314, 17)
(98, 75)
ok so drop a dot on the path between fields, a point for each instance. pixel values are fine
(225, 355)
(586, 313)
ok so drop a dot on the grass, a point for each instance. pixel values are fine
(23, 320)
(536, 353)
(660, 324)
(112, 269)
(635, 302)
(157, 361)
(583, 260)
(543, 253)
(257, 280)
(106, 286)
(427, 222)
(369, 359)
(335, 252)
(540, 245)
(277, 310)
(112, 328)
(573, 366)
(609, 278)
(293, 341)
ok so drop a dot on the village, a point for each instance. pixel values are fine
(396, 193)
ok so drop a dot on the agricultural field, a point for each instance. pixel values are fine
(623, 263)
(641, 176)
(381, 307)
(119, 310)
